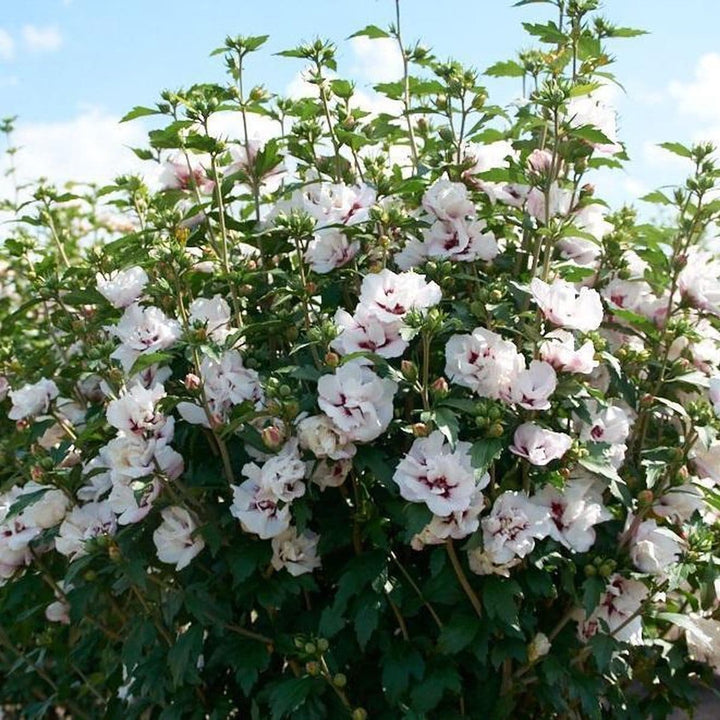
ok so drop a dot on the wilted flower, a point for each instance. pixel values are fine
(297, 553)
(176, 540)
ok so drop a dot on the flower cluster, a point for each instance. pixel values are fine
(378, 417)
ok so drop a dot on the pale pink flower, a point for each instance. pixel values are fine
(214, 315)
(177, 175)
(135, 411)
(433, 473)
(365, 332)
(653, 549)
(461, 240)
(142, 330)
(538, 445)
(320, 435)
(281, 475)
(84, 523)
(456, 525)
(259, 510)
(512, 527)
(330, 249)
(563, 305)
(32, 399)
(330, 473)
(483, 362)
(448, 200)
(533, 387)
(122, 287)
(390, 296)
(573, 511)
(357, 401)
(617, 612)
(558, 349)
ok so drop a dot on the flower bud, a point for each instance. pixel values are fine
(332, 359)
(340, 680)
(272, 437)
(312, 667)
(645, 497)
(322, 645)
(192, 382)
(440, 387)
(310, 648)
(495, 430)
(359, 714)
(540, 161)
(409, 370)
(420, 430)
(539, 646)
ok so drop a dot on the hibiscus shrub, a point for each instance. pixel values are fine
(381, 415)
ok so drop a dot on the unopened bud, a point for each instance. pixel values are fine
(409, 370)
(420, 430)
(539, 646)
(332, 359)
(645, 497)
(495, 430)
(192, 382)
(540, 161)
(440, 387)
(312, 667)
(359, 714)
(340, 680)
(272, 437)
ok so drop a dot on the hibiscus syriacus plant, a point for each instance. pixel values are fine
(363, 413)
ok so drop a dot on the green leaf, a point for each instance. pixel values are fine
(288, 695)
(508, 68)
(498, 596)
(342, 88)
(447, 423)
(548, 33)
(603, 647)
(400, 663)
(593, 588)
(656, 197)
(458, 632)
(677, 149)
(371, 31)
(183, 655)
(427, 695)
(366, 620)
(484, 452)
(591, 134)
(625, 32)
(139, 111)
(145, 360)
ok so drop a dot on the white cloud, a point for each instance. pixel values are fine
(41, 39)
(700, 97)
(376, 61)
(91, 147)
(7, 45)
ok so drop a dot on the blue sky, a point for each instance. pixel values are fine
(70, 68)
